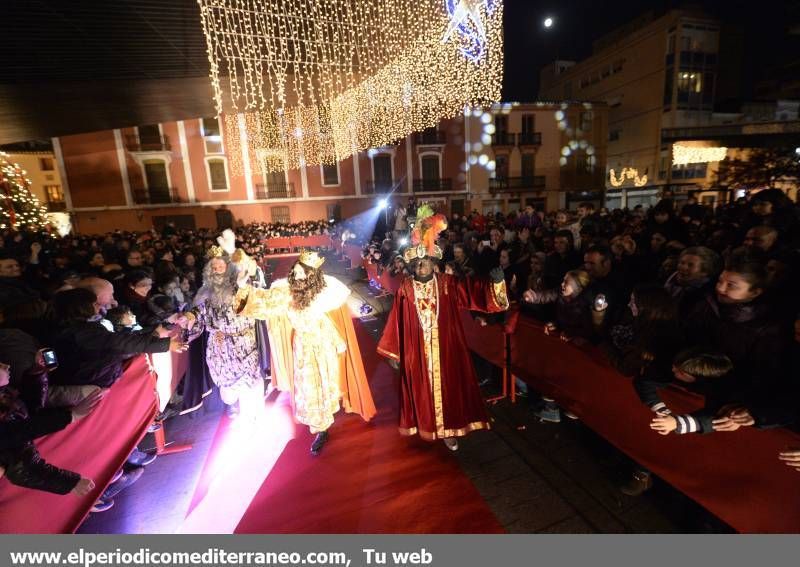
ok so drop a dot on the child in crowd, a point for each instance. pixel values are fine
(698, 371)
(123, 319)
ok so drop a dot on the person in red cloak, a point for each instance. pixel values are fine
(424, 340)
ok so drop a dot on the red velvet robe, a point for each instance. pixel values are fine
(439, 397)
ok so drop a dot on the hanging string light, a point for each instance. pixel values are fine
(19, 208)
(630, 173)
(684, 155)
(319, 80)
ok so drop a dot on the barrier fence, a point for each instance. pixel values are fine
(737, 476)
(97, 446)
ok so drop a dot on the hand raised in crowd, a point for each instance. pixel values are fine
(791, 457)
(177, 345)
(564, 337)
(88, 404)
(549, 328)
(36, 248)
(179, 319)
(84, 487)
(664, 425)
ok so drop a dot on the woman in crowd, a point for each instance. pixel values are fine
(698, 267)
(647, 344)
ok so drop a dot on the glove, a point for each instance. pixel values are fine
(227, 241)
(497, 275)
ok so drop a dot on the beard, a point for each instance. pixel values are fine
(218, 290)
(305, 290)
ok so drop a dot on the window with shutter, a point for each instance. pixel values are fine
(280, 214)
(216, 174)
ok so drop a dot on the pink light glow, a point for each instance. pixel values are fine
(238, 468)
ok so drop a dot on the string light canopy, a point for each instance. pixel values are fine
(627, 173)
(19, 208)
(683, 155)
(319, 80)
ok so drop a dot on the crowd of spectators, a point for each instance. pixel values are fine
(73, 310)
(676, 294)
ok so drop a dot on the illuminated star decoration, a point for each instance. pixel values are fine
(465, 18)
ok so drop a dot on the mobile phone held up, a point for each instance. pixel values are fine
(600, 302)
(49, 358)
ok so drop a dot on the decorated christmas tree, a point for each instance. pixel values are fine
(19, 208)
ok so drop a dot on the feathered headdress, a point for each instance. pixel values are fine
(426, 231)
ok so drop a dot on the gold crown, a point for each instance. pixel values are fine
(215, 252)
(414, 252)
(311, 259)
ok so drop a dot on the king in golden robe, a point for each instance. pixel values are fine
(315, 354)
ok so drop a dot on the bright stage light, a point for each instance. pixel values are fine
(383, 203)
(403, 241)
(548, 22)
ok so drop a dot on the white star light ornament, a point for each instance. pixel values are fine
(467, 10)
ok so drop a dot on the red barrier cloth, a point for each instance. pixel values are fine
(278, 243)
(316, 241)
(372, 272)
(391, 283)
(737, 476)
(96, 447)
(353, 253)
(487, 342)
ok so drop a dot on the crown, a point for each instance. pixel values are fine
(311, 259)
(419, 251)
(215, 252)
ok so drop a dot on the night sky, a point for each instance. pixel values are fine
(529, 46)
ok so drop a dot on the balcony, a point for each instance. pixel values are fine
(505, 184)
(529, 139)
(278, 190)
(156, 196)
(56, 206)
(433, 185)
(372, 187)
(430, 138)
(504, 139)
(147, 143)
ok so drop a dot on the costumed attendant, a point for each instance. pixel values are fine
(232, 354)
(315, 354)
(424, 340)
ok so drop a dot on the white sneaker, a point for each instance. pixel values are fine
(452, 443)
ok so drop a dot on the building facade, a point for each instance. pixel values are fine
(654, 73)
(494, 159)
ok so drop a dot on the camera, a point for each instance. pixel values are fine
(49, 358)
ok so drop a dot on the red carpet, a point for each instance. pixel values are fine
(368, 479)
